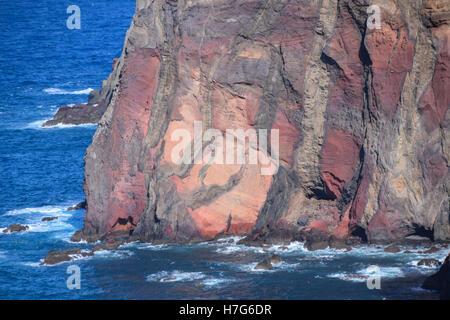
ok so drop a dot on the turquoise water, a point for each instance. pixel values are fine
(43, 65)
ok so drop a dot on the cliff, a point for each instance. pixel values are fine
(361, 115)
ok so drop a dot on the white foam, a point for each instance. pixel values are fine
(384, 272)
(347, 277)
(74, 257)
(80, 256)
(48, 210)
(32, 264)
(67, 239)
(145, 246)
(363, 274)
(46, 107)
(233, 248)
(120, 254)
(62, 91)
(226, 240)
(215, 282)
(39, 125)
(46, 226)
(33, 219)
(174, 276)
(415, 263)
(286, 266)
(251, 268)
(293, 247)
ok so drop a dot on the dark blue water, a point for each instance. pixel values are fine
(42, 65)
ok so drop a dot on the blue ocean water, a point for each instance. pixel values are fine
(43, 65)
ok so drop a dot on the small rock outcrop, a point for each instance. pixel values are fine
(109, 244)
(264, 264)
(267, 262)
(16, 228)
(429, 263)
(432, 249)
(275, 258)
(79, 206)
(92, 111)
(47, 219)
(54, 257)
(392, 249)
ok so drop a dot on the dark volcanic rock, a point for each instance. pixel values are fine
(429, 262)
(15, 228)
(78, 114)
(275, 258)
(109, 244)
(362, 117)
(440, 281)
(93, 110)
(339, 244)
(55, 257)
(316, 240)
(79, 206)
(79, 236)
(264, 264)
(433, 249)
(392, 249)
(49, 218)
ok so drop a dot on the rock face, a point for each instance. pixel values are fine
(361, 113)
(440, 281)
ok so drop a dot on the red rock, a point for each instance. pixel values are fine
(361, 119)
(339, 157)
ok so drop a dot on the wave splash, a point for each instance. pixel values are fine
(64, 92)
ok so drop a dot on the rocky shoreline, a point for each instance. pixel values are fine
(437, 284)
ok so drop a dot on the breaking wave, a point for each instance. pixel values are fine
(62, 91)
